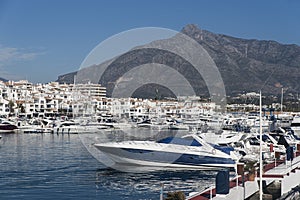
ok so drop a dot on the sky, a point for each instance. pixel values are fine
(41, 39)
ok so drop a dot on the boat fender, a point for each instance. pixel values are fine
(213, 151)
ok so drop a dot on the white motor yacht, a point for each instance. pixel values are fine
(223, 137)
(295, 125)
(7, 126)
(74, 127)
(188, 152)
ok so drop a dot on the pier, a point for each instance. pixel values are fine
(280, 176)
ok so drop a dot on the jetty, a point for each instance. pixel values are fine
(283, 174)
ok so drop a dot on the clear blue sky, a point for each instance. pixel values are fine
(41, 39)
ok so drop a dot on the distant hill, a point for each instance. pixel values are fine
(67, 78)
(245, 65)
(2, 79)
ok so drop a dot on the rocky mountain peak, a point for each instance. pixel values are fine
(246, 65)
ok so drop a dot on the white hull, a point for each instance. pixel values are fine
(296, 130)
(8, 131)
(123, 160)
(154, 154)
(223, 138)
(295, 125)
(77, 129)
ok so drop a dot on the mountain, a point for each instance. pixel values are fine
(246, 65)
(67, 78)
(2, 79)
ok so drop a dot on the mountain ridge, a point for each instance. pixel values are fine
(3, 79)
(246, 65)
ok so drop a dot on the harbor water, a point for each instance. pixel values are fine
(51, 166)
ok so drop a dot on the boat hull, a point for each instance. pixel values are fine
(165, 159)
(296, 131)
(8, 128)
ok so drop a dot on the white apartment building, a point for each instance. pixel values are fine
(48, 99)
(89, 99)
(4, 107)
(91, 90)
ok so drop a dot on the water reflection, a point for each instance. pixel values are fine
(149, 182)
(34, 166)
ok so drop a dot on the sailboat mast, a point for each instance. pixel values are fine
(260, 149)
(281, 100)
(73, 97)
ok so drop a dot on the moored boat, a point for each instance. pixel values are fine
(7, 127)
(295, 125)
(188, 152)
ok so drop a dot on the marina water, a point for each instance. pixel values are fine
(51, 166)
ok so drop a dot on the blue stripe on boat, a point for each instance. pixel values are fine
(174, 158)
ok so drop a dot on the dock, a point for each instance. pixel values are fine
(285, 173)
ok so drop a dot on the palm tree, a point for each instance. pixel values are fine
(11, 105)
(175, 196)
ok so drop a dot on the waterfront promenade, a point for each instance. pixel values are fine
(284, 173)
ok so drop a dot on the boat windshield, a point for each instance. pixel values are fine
(180, 141)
